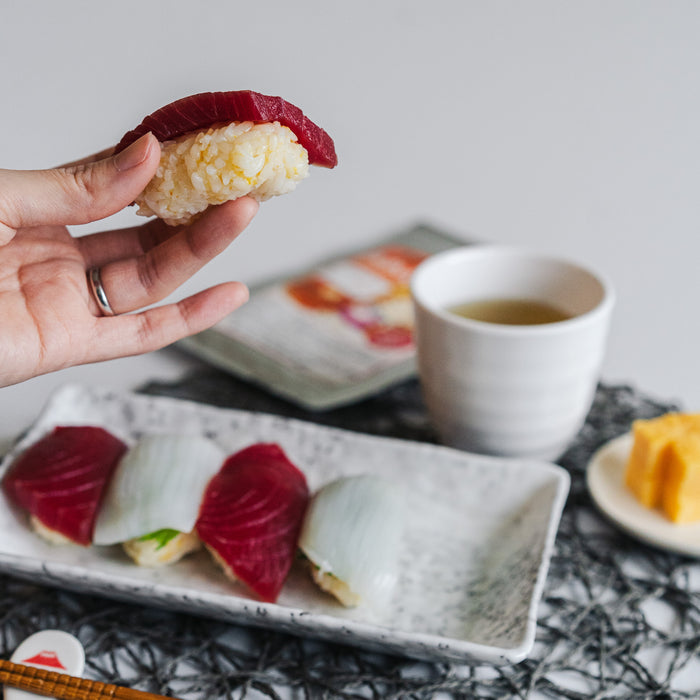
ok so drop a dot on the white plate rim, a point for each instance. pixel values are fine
(605, 482)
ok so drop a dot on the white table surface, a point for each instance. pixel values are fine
(565, 127)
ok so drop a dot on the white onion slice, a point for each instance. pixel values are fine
(352, 533)
(158, 484)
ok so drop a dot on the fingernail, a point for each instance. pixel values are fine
(6, 234)
(134, 154)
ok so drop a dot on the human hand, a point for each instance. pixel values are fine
(49, 318)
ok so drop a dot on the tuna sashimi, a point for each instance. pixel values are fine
(207, 109)
(251, 516)
(61, 479)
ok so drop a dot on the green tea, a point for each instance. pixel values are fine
(512, 312)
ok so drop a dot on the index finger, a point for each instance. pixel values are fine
(134, 282)
(103, 247)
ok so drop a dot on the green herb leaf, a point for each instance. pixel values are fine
(161, 537)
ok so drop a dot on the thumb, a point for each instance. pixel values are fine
(76, 194)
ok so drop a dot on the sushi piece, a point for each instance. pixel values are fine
(352, 537)
(218, 146)
(158, 486)
(61, 480)
(251, 516)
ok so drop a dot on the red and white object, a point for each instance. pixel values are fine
(52, 650)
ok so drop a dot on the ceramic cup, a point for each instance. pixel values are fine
(510, 390)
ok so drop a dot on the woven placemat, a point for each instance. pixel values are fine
(618, 619)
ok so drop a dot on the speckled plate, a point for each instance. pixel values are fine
(475, 552)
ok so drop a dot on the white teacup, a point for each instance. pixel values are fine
(511, 390)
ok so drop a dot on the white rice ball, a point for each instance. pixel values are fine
(214, 166)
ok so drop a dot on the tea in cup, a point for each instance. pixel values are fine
(509, 347)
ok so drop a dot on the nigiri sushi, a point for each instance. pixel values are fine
(158, 486)
(218, 146)
(251, 516)
(61, 480)
(352, 537)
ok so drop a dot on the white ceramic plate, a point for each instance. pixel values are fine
(606, 482)
(475, 552)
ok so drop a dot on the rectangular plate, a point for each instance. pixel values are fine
(321, 354)
(475, 552)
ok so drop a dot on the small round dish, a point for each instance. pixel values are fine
(605, 478)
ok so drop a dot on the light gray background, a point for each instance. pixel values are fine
(568, 127)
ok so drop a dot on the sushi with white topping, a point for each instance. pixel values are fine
(153, 499)
(352, 536)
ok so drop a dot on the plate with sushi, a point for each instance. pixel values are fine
(390, 545)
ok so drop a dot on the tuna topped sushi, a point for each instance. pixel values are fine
(61, 480)
(218, 146)
(251, 516)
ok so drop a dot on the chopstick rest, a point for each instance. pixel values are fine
(52, 650)
(49, 664)
(64, 687)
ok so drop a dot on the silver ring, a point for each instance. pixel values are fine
(98, 291)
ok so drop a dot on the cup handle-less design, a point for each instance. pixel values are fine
(519, 391)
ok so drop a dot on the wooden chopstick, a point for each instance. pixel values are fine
(65, 687)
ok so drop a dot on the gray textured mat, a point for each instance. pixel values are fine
(594, 639)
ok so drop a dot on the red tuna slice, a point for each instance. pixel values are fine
(61, 479)
(251, 516)
(206, 109)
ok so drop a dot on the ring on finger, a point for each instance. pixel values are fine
(98, 291)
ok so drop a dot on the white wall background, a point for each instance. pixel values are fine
(570, 127)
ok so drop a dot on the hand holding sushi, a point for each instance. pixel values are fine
(199, 165)
(51, 320)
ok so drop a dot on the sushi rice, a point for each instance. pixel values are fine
(151, 550)
(49, 534)
(209, 167)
